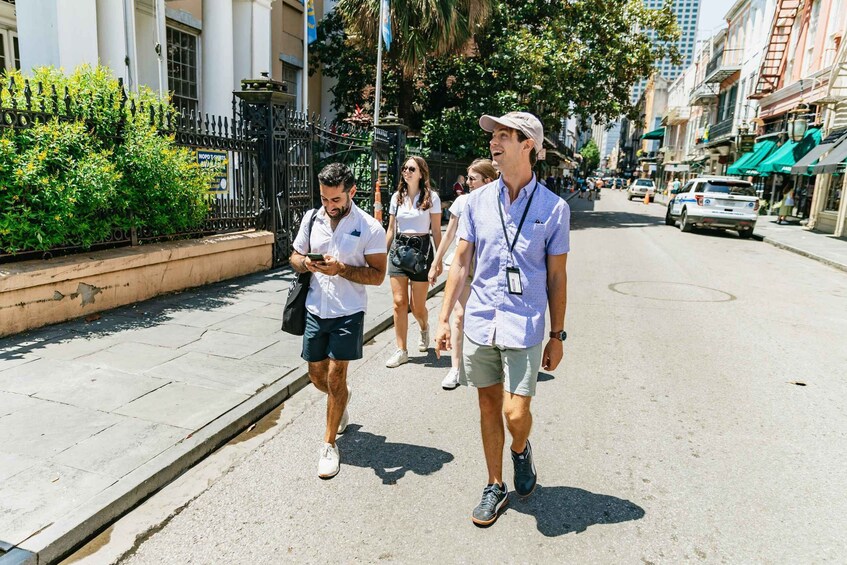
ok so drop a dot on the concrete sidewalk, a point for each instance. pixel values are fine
(98, 414)
(793, 237)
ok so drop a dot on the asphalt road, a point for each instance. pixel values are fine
(699, 415)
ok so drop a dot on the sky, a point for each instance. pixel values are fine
(712, 13)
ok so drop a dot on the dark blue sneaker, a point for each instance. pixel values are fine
(494, 498)
(525, 475)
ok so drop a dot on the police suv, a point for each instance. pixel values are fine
(714, 202)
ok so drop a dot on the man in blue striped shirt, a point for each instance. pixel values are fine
(517, 231)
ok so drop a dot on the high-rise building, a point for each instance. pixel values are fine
(687, 14)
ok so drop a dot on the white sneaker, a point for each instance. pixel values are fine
(400, 356)
(423, 344)
(451, 380)
(329, 462)
(345, 418)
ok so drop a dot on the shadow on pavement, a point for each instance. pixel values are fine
(617, 220)
(390, 461)
(431, 360)
(563, 510)
(544, 377)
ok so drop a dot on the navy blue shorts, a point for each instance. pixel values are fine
(334, 338)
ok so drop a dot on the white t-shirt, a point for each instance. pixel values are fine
(411, 219)
(356, 235)
(458, 205)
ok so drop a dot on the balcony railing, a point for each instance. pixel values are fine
(703, 95)
(720, 129)
(723, 65)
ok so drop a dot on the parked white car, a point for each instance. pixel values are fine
(714, 202)
(639, 188)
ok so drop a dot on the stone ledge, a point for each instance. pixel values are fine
(36, 293)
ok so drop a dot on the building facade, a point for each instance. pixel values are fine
(196, 50)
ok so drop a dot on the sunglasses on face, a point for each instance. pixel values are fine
(409, 168)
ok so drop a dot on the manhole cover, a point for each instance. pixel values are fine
(671, 291)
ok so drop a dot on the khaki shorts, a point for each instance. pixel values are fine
(488, 365)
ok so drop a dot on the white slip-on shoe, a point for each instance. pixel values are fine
(451, 380)
(398, 358)
(423, 344)
(329, 462)
(345, 418)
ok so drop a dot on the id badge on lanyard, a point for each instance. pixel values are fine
(513, 274)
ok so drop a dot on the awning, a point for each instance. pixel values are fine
(735, 168)
(830, 163)
(803, 166)
(761, 151)
(655, 134)
(789, 153)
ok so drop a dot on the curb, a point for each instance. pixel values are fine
(798, 251)
(66, 535)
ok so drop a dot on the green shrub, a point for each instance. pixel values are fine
(71, 181)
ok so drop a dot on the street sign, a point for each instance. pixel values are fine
(217, 162)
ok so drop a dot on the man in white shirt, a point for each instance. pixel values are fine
(352, 245)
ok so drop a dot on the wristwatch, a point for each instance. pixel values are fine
(561, 336)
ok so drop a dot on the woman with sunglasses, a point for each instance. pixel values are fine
(414, 217)
(480, 172)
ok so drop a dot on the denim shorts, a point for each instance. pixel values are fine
(334, 338)
(488, 365)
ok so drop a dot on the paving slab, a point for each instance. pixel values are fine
(182, 405)
(235, 346)
(11, 403)
(250, 324)
(244, 376)
(57, 487)
(117, 450)
(48, 428)
(11, 464)
(163, 335)
(132, 357)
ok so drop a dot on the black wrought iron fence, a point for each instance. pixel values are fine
(264, 160)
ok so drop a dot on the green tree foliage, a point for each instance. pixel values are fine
(71, 180)
(590, 157)
(552, 57)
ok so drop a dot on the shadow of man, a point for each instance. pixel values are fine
(390, 461)
(562, 510)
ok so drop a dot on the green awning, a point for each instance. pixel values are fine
(760, 152)
(789, 153)
(655, 134)
(735, 168)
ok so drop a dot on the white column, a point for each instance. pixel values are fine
(116, 38)
(218, 57)
(261, 38)
(62, 33)
(242, 29)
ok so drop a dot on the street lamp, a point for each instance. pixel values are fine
(798, 122)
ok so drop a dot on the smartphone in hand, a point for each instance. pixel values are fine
(315, 257)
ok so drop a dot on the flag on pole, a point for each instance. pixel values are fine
(310, 22)
(386, 24)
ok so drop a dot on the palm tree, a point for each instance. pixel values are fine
(420, 29)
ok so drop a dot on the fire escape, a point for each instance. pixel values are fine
(776, 55)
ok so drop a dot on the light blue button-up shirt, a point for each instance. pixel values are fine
(493, 316)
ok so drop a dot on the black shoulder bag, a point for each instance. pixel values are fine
(294, 313)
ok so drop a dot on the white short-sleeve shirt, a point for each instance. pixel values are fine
(411, 219)
(458, 205)
(356, 235)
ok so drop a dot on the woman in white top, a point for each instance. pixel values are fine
(414, 216)
(481, 172)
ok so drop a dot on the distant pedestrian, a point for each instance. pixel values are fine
(459, 186)
(480, 173)
(414, 222)
(352, 244)
(517, 231)
(786, 208)
(675, 185)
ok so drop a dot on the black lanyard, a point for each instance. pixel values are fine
(511, 245)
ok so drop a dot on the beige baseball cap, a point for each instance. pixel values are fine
(524, 122)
